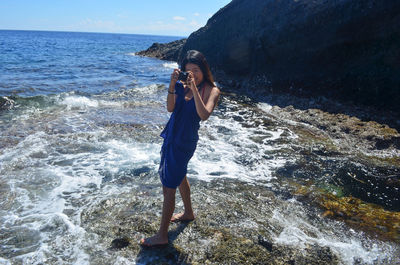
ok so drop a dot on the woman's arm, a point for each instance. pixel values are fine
(204, 110)
(171, 98)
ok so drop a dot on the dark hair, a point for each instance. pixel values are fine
(197, 58)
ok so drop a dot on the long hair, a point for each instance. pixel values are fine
(197, 58)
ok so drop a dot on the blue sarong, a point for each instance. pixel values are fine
(180, 140)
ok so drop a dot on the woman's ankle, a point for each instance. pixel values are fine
(162, 235)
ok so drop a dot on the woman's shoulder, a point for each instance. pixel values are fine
(213, 89)
(216, 89)
(212, 93)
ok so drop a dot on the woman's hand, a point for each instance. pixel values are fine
(190, 82)
(171, 90)
(174, 79)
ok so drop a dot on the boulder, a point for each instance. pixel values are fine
(347, 49)
(342, 49)
(164, 51)
(6, 103)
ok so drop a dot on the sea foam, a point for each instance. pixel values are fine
(299, 233)
(171, 65)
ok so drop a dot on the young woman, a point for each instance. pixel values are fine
(189, 101)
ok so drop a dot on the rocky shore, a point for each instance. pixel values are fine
(344, 50)
(324, 71)
(245, 223)
(375, 128)
(224, 232)
(164, 51)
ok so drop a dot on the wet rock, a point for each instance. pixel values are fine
(344, 55)
(340, 49)
(387, 143)
(119, 243)
(18, 241)
(372, 218)
(233, 231)
(351, 133)
(265, 243)
(164, 51)
(317, 255)
(6, 103)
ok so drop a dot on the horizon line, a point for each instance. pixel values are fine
(94, 32)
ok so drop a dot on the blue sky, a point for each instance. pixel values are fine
(157, 17)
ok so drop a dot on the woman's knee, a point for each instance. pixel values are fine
(168, 192)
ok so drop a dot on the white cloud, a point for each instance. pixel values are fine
(196, 14)
(194, 24)
(178, 18)
(175, 28)
(180, 26)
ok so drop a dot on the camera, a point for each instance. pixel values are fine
(183, 76)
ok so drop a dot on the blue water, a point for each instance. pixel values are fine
(41, 62)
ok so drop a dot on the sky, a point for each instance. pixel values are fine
(154, 17)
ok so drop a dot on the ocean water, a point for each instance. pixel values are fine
(80, 122)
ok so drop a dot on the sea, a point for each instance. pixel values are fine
(80, 118)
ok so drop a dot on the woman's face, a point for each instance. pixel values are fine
(195, 69)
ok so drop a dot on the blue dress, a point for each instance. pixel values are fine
(180, 140)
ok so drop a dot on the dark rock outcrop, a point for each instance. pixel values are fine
(6, 103)
(164, 51)
(344, 49)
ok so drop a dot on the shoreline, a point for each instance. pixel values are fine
(306, 103)
(259, 88)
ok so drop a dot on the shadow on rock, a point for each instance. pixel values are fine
(165, 255)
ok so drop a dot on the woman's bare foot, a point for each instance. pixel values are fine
(182, 217)
(154, 241)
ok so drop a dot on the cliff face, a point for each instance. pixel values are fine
(345, 48)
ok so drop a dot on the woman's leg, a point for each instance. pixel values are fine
(184, 190)
(168, 209)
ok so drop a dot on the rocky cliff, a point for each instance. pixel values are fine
(164, 51)
(346, 49)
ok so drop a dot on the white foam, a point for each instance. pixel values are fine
(79, 102)
(226, 146)
(275, 134)
(40, 208)
(124, 261)
(131, 54)
(148, 90)
(4, 261)
(171, 65)
(32, 144)
(300, 234)
(264, 106)
(121, 155)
